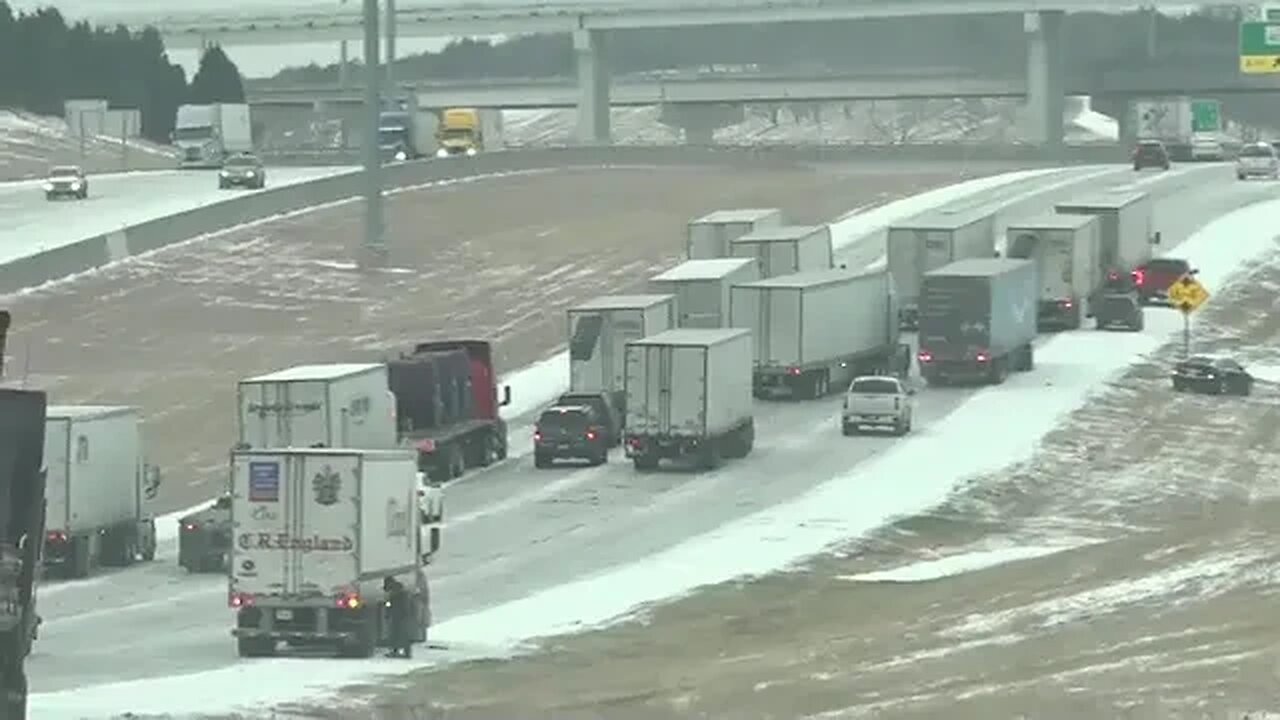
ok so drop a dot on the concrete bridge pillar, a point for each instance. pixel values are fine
(593, 87)
(699, 121)
(1046, 81)
(1120, 108)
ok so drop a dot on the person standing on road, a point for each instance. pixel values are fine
(400, 615)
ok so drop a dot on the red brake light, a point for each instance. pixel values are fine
(349, 601)
(239, 600)
(591, 434)
(1139, 276)
(793, 371)
(982, 356)
(56, 536)
(925, 356)
(1113, 275)
(1065, 304)
(190, 527)
(537, 436)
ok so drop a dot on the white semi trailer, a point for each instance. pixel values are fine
(1065, 250)
(930, 240)
(701, 289)
(710, 236)
(689, 396)
(99, 490)
(337, 405)
(787, 249)
(599, 331)
(814, 332)
(317, 530)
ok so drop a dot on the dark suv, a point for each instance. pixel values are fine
(243, 170)
(1150, 153)
(610, 414)
(570, 431)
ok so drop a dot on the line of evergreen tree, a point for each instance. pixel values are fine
(45, 61)
(983, 43)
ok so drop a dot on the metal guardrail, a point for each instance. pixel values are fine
(95, 252)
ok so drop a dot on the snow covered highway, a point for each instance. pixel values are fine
(33, 224)
(515, 532)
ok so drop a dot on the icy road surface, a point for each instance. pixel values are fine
(31, 224)
(514, 532)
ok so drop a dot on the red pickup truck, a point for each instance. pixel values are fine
(1153, 279)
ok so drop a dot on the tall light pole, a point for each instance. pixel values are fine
(374, 249)
(391, 45)
(343, 59)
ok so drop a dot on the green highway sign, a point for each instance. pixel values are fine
(1204, 116)
(1260, 47)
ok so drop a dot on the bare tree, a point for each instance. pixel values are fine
(898, 121)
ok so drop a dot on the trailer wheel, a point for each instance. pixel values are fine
(710, 458)
(81, 557)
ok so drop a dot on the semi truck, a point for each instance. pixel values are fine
(599, 331)
(816, 331)
(441, 398)
(100, 490)
(1167, 119)
(689, 397)
(710, 236)
(929, 241)
(407, 133)
(1126, 239)
(701, 289)
(206, 135)
(978, 320)
(22, 504)
(1065, 250)
(317, 532)
(468, 131)
(786, 249)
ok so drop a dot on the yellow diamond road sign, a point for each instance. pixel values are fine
(1187, 294)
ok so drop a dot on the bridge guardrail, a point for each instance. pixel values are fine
(95, 252)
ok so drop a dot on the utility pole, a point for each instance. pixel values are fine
(374, 250)
(344, 71)
(391, 46)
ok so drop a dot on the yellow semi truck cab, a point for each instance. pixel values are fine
(460, 132)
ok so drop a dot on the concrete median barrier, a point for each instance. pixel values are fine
(96, 252)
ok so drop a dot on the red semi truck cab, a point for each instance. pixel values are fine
(448, 406)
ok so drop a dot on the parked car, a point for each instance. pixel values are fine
(1150, 153)
(877, 401)
(604, 406)
(1257, 160)
(569, 432)
(66, 181)
(1214, 376)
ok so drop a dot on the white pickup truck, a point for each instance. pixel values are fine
(877, 401)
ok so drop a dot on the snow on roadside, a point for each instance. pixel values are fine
(1205, 576)
(960, 563)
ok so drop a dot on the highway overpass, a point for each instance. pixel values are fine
(765, 87)
(343, 21)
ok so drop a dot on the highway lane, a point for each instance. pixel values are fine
(514, 530)
(29, 223)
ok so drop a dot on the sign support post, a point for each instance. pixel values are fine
(1187, 294)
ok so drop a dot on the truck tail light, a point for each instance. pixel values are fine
(537, 436)
(190, 527)
(634, 443)
(56, 536)
(593, 433)
(1139, 276)
(982, 356)
(238, 600)
(1065, 304)
(793, 371)
(350, 601)
(924, 356)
